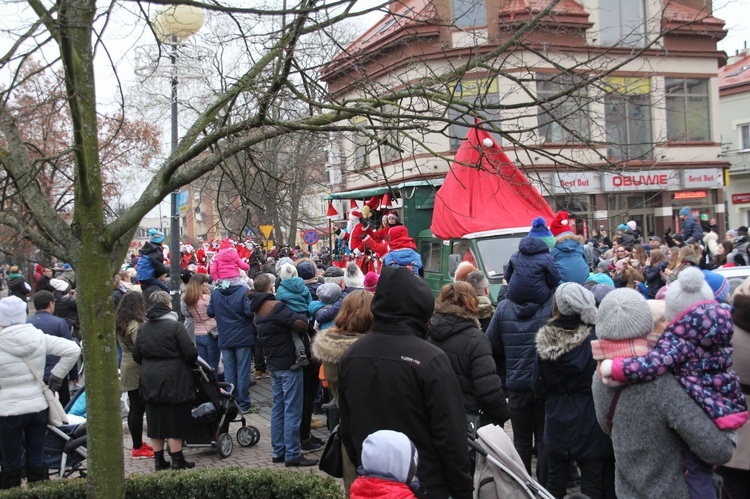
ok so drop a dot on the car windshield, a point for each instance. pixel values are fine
(496, 252)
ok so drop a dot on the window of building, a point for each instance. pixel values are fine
(362, 146)
(430, 253)
(391, 145)
(628, 119)
(688, 116)
(622, 22)
(479, 94)
(469, 13)
(745, 137)
(563, 119)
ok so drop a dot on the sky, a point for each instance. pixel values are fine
(736, 15)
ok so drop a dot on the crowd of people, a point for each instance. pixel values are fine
(621, 362)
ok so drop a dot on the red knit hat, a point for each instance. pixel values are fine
(560, 224)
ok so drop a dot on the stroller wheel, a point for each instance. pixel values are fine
(225, 445)
(245, 436)
(256, 434)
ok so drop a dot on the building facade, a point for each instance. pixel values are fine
(609, 106)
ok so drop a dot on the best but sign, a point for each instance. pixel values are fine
(703, 178)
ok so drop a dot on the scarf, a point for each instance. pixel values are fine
(611, 349)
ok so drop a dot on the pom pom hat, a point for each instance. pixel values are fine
(560, 224)
(623, 314)
(371, 281)
(689, 288)
(287, 271)
(155, 236)
(539, 229)
(718, 284)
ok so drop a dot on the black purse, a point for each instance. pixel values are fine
(332, 461)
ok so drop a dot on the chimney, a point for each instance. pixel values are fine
(739, 54)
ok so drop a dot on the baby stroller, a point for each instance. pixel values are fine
(65, 450)
(214, 408)
(500, 473)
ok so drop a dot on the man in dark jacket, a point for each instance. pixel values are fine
(43, 284)
(393, 379)
(691, 227)
(234, 319)
(275, 322)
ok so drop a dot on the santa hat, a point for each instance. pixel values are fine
(355, 214)
(331, 214)
(370, 206)
(226, 244)
(560, 224)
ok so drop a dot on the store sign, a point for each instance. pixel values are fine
(741, 198)
(706, 177)
(573, 182)
(639, 181)
(690, 195)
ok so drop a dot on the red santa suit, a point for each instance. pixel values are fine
(357, 234)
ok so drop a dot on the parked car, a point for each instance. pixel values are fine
(735, 276)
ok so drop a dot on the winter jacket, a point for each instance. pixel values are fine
(166, 355)
(741, 365)
(652, 275)
(692, 232)
(514, 329)
(371, 487)
(570, 260)
(274, 322)
(234, 318)
(711, 243)
(329, 314)
(457, 333)
(329, 347)
(696, 347)
(313, 309)
(21, 393)
(151, 263)
(531, 274)
(406, 257)
(563, 375)
(43, 284)
(649, 424)
(393, 379)
(67, 308)
(227, 264)
(55, 326)
(295, 294)
(197, 321)
(130, 370)
(17, 286)
(741, 244)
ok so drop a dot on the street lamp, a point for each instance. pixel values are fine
(173, 24)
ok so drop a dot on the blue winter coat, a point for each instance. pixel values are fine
(151, 262)
(231, 308)
(405, 257)
(691, 229)
(295, 294)
(329, 314)
(514, 327)
(571, 261)
(531, 273)
(53, 326)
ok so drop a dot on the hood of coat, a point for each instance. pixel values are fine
(569, 245)
(402, 302)
(486, 308)
(227, 255)
(399, 238)
(705, 323)
(150, 248)
(450, 319)
(15, 340)
(158, 311)
(530, 245)
(294, 285)
(552, 342)
(330, 345)
(258, 299)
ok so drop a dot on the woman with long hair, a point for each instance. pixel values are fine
(638, 257)
(685, 258)
(129, 315)
(655, 265)
(720, 257)
(198, 324)
(353, 321)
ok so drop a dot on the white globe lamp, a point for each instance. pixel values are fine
(177, 22)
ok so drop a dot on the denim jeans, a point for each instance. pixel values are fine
(14, 431)
(286, 413)
(208, 349)
(237, 364)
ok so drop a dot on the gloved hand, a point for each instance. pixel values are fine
(54, 383)
(605, 369)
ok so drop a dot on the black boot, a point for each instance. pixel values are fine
(37, 474)
(159, 462)
(10, 479)
(179, 463)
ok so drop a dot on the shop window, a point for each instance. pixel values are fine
(479, 95)
(622, 22)
(430, 253)
(628, 119)
(571, 204)
(469, 13)
(563, 119)
(688, 116)
(745, 137)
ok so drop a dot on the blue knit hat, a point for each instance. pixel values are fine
(719, 285)
(539, 229)
(622, 227)
(155, 236)
(601, 278)
(685, 211)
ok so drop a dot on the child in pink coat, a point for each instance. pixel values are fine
(226, 265)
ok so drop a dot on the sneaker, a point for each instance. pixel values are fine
(301, 461)
(310, 446)
(251, 410)
(302, 361)
(277, 460)
(317, 440)
(316, 423)
(258, 374)
(143, 452)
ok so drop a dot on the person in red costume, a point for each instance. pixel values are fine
(244, 251)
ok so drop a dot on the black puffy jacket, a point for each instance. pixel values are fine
(532, 274)
(166, 355)
(274, 323)
(456, 333)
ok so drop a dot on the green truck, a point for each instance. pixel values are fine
(490, 250)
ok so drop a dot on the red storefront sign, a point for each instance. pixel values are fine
(690, 195)
(741, 198)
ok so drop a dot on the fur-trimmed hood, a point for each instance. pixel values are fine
(553, 341)
(486, 308)
(449, 319)
(330, 345)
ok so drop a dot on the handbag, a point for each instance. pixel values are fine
(332, 460)
(56, 415)
(212, 333)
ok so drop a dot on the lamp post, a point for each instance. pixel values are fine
(173, 24)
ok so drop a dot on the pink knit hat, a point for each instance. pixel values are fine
(371, 281)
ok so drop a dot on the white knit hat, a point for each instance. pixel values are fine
(287, 271)
(574, 299)
(689, 289)
(12, 311)
(59, 284)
